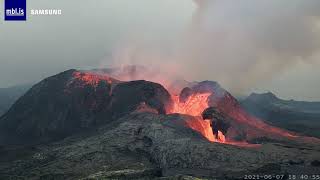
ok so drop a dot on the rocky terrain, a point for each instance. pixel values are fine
(147, 145)
(89, 125)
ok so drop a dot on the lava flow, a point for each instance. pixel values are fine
(194, 106)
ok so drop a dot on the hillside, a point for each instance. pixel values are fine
(299, 116)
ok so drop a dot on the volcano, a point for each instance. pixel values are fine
(154, 128)
(74, 101)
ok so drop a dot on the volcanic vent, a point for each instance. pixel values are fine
(189, 102)
(215, 113)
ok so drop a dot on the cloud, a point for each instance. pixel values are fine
(247, 42)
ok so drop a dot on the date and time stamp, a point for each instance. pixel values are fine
(282, 176)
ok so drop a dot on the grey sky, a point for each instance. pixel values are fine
(98, 33)
(83, 36)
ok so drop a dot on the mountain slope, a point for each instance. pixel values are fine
(74, 101)
(299, 116)
(9, 95)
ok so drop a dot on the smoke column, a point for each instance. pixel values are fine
(240, 44)
(247, 42)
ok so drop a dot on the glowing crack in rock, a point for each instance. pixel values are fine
(92, 78)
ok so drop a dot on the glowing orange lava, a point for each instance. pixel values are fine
(92, 78)
(194, 106)
(204, 128)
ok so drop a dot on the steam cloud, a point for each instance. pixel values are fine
(237, 43)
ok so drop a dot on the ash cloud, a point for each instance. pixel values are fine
(247, 42)
(240, 44)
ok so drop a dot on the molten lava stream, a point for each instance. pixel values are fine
(194, 106)
(204, 128)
